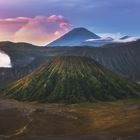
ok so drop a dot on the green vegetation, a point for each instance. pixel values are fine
(71, 79)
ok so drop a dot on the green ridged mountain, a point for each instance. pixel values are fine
(71, 79)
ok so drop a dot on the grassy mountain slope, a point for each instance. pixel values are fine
(71, 80)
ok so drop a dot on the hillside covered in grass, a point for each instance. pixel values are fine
(71, 79)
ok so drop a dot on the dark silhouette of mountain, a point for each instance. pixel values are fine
(128, 39)
(70, 79)
(121, 58)
(74, 38)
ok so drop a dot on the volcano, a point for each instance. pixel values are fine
(71, 79)
(74, 38)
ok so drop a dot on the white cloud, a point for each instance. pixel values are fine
(112, 35)
(5, 60)
(129, 39)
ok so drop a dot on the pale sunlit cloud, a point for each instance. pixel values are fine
(5, 60)
(112, 35)
(40, 30)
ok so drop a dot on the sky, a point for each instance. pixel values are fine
(42, 21)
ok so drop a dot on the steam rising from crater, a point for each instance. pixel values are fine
(5, 60)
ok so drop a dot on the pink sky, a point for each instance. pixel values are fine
(39, 30)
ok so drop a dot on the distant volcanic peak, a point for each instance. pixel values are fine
(83, 32)
(71, 79)
(74, 37)
(80, 29)
(125, 37)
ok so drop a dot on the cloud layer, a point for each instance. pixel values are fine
(113, 35)
(39, 30)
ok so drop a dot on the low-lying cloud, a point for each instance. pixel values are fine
(5, 61)
(113, 35)
(39, 30)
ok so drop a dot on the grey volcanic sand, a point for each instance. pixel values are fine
(33, 121)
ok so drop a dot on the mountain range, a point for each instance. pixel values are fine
(121, 58)
(75, 74)
(84, 37)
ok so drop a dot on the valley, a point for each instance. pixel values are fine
(97, 121)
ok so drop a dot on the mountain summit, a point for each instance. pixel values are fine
(71, 79)
(74, 38)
